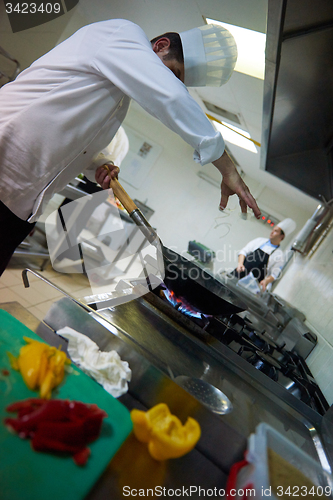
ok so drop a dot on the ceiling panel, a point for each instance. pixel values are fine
(221, 96)
(248, 92)
(154, 16)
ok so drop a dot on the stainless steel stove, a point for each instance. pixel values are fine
(246, 334)
(287, 368)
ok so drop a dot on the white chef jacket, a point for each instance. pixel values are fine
(276, 259)
(66, 107)
(115, 152)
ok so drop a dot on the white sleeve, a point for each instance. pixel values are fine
(275, 264)
(125, 57)
(115, 152)
(252, 246)
(118, 147)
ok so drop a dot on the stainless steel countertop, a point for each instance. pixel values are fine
(206, 466)
(148, 339)
(154, 348)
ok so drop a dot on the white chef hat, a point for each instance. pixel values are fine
(210, 55)
(287, 226)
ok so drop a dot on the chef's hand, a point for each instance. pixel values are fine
(263, 285)
(232, 183)
(102, 176)
(266, 281)
(240, 268)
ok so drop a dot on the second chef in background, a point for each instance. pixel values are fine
(264, 257)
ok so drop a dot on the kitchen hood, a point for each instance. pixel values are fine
(297, 132)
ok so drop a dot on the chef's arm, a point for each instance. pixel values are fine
(275, 264)
(232, 183)
(121, 60)
(240, 267)
(266, 281)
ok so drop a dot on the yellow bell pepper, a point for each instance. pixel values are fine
(42, 366)
(29, 362)
(166, 436)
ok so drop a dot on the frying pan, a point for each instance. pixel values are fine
(186, 279)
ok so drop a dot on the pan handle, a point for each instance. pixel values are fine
(122, 196)
(120, 193)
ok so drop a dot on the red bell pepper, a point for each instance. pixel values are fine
(57, 425)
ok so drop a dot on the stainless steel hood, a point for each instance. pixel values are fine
(297, 138)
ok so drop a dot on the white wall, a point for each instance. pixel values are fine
(308, 285)
(186, 206)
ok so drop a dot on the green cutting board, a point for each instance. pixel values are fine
(29, 475)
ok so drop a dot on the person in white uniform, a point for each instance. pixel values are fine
(113, 154)
(67, 106)
(264, 257)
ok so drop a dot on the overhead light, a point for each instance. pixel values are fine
(251, 49)
(232, 134)
(235, 135)
(228, 115)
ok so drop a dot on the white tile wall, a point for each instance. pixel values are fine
(308, 285)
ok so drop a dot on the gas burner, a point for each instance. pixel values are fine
(184, 307)
(263, 343)
(261, 361)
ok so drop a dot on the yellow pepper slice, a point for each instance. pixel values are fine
(41, 366)
(141, 427)
(166, 436)
(29, 362)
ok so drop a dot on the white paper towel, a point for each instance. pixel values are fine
(106, 368)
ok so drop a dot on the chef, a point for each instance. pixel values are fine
(264, 257)
(67, 106)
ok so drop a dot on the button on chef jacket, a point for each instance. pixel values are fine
(66, 107)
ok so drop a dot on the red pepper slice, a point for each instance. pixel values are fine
(28, 419)
(81, 457)
(57, 425)
(26, 404)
